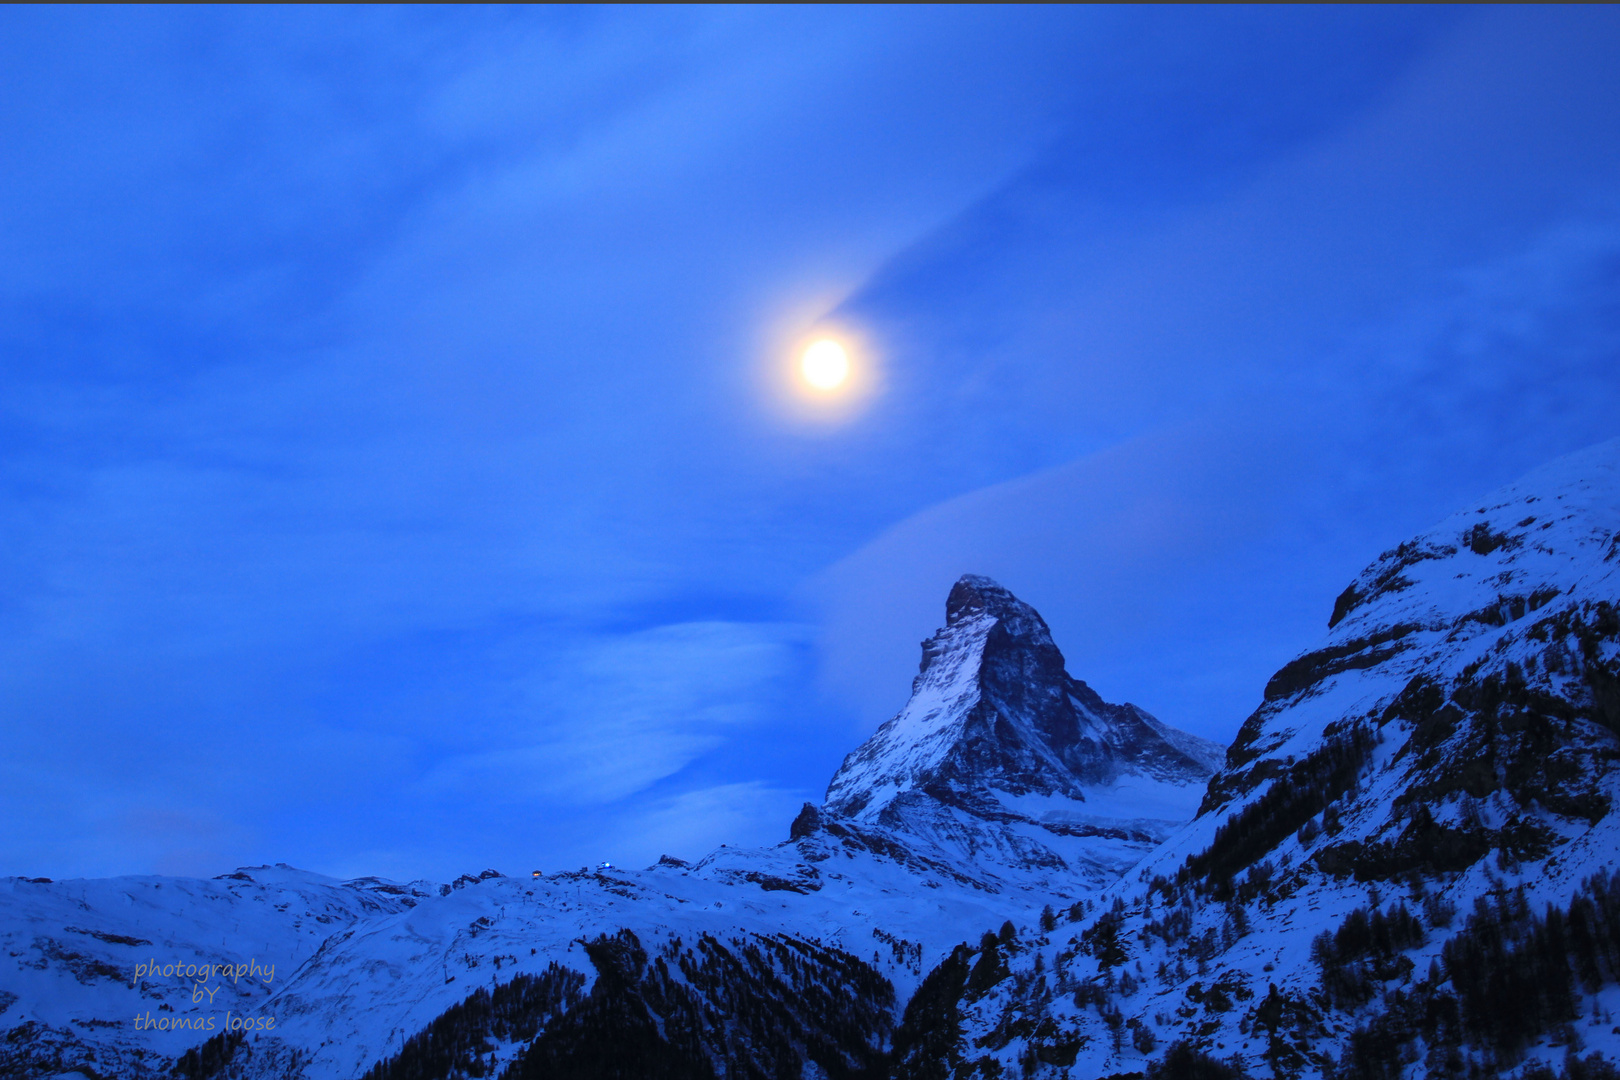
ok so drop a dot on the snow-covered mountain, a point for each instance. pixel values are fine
(1004, 764)
(1005, 786)
(1406, 866)
(84, 959)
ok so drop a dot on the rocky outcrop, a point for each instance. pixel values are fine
(1011, 767)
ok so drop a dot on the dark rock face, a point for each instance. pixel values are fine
(994, 706)
(1026, 715)
(1010, 770)
(806, 824)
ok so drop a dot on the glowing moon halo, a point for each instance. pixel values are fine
(824, 364)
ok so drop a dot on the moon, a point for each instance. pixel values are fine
(824, 364)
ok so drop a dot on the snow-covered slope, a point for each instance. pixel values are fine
(349, 971)
(83, 959)
(1366, 891)
(1004, 764)
(1004, 786)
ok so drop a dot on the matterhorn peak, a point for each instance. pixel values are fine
(993, 707)
(975, 594)
(998, 731)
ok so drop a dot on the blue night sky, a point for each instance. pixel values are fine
(401, 470)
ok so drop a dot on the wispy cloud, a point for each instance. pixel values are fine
(605, 719)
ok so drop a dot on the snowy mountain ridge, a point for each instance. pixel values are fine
(1406, 867)
(992, 706)
(996, 792)
(1003, 761)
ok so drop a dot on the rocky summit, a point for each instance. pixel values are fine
(1004, 762)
